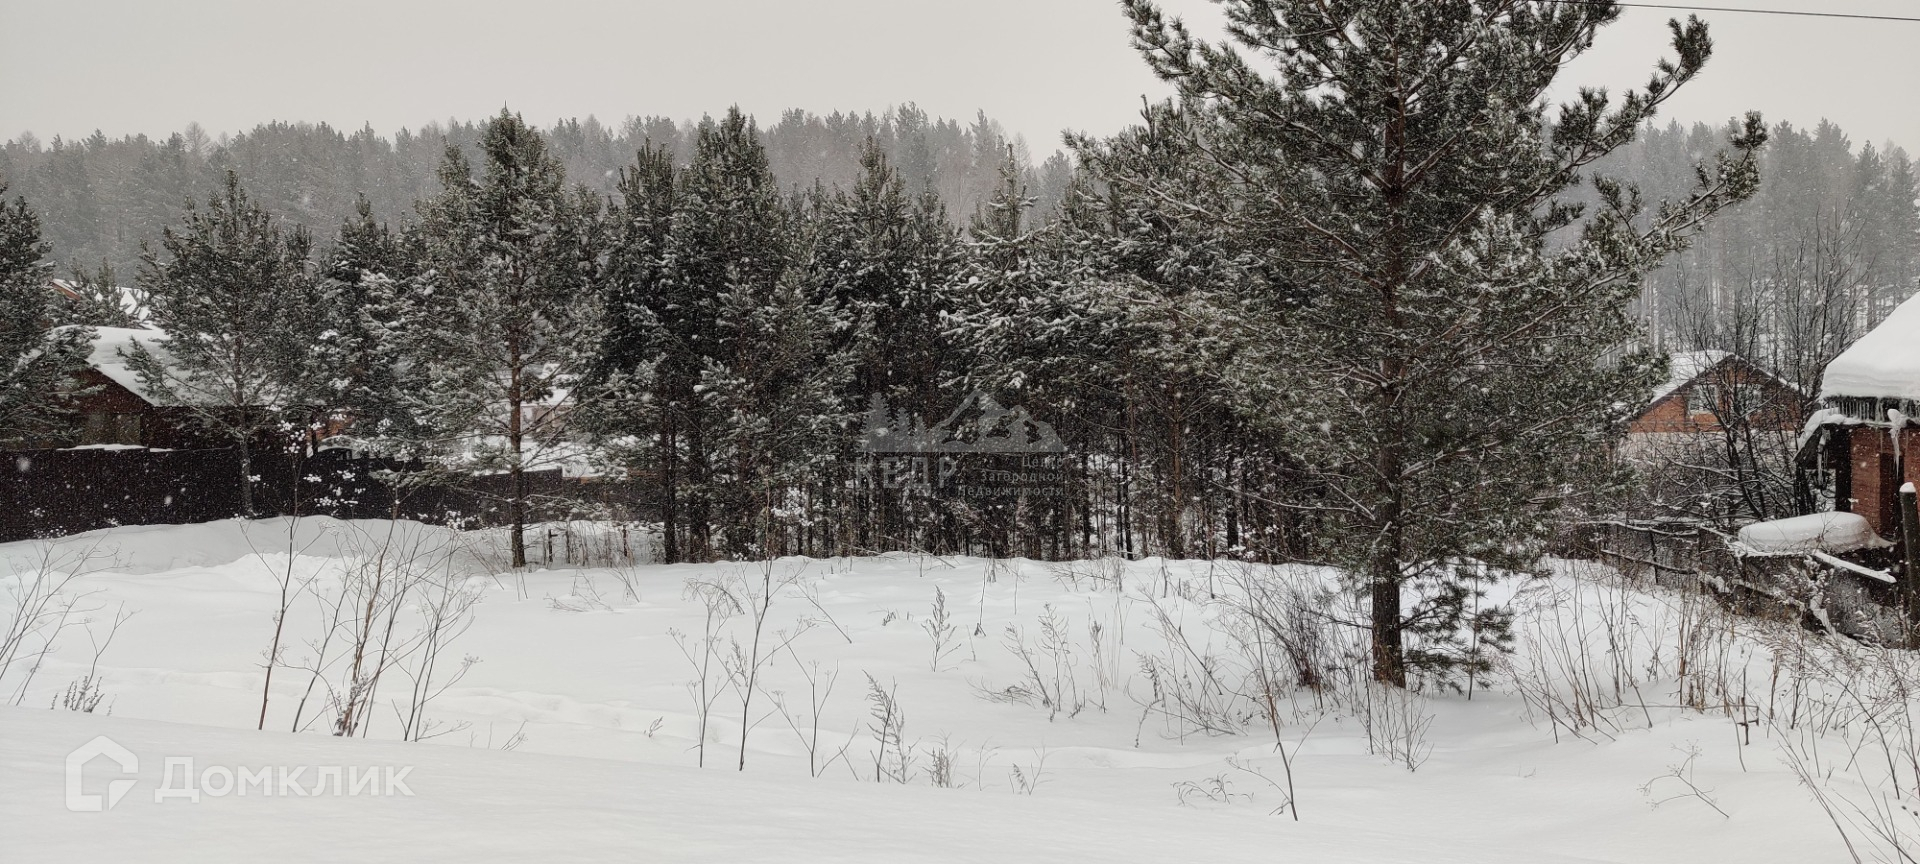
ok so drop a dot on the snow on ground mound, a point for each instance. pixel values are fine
(161, 548)
(1021, 685)
(1801, 535)
(1885, 363)
(478, 806)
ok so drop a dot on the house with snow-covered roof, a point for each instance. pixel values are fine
(117, 408)
(1862, 443)
(1703, 394)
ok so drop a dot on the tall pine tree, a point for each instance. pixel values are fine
(1445, 375)
(730, 233)
(230, 288)
(40, 358)
(632, 425)
(513, 318)
(363, 306)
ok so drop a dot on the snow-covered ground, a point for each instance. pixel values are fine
(574, 735)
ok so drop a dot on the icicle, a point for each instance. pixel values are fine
(1896, 423)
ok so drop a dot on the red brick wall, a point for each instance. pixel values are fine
(1781, 411)
(1870, 465)
(1671, 415)
(1865, 448)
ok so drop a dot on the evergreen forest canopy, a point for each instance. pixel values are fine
(1832, 216)
(1258, 325)
(100, 198)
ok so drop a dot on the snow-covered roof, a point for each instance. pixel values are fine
(1820, 420)
(1884, 364)
(127, 298)
(109, 346)
(1801, 535)
(1686, 366)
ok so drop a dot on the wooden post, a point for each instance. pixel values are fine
(1910, 544)
(1653, 556)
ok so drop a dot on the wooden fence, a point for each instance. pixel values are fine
(46, 493)
(1821, 594)
(1668, 553)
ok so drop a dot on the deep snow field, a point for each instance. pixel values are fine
(573, 736)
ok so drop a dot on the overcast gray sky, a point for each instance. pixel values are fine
(68, 67)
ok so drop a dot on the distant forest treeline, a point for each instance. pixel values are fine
(1828, 246)
(100, 198)
(1834, 228)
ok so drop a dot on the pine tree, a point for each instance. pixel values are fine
(513, 314)
(1444, 375)
(1155, 277)
(229, 287)
(361, 310)
(775, 385)
(731, 232)
(635, 427)
(888, 257)
(40, 358)
(1031, 337)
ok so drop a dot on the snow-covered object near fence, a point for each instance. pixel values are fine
(1884, 364)
(1801, 535)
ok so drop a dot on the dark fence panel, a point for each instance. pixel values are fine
(56, 492)
(53, 492)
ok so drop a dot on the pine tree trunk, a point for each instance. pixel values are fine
(670, 504)
(699, 505)
(246, 477)
(1383, 571)
(517, 511)
(1389, 532)
(1383, 576)
(1389, 649)
(1173, 523)
(517, 502)
(1236, 473)
(1389, 654)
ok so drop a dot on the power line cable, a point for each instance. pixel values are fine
(1789, 12)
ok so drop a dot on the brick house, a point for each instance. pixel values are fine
(1858, 445)
(1703, 390)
